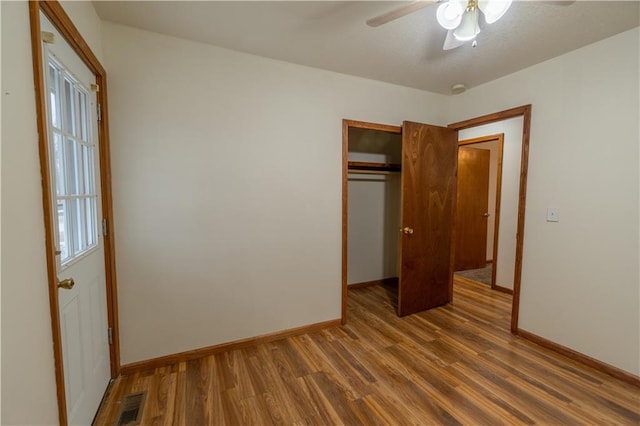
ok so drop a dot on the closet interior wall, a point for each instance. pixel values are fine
(373, 205)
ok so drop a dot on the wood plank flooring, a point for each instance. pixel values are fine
(452, 365)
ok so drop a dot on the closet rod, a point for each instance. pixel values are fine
(372, 172)
(383, 167)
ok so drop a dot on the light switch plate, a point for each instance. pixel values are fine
(553, 214)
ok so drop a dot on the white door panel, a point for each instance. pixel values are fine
(72, 349)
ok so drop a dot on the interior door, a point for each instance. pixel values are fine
(428, 181)
(75, 193)
(472, 208)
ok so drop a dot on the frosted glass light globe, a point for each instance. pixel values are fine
(449, 14)
(493, 9)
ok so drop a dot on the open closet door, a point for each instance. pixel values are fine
(429, 160)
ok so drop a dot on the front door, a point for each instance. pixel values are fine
(428, 183)
(75, 194)
(472, 208)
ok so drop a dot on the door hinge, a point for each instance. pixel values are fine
(110, 334)
(105, 228)
(99, 112)
(48, 37)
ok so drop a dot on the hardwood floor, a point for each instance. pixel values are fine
(456, 364)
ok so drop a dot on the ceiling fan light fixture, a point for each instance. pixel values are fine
(449, 14)
(493, 9)
(469, 27)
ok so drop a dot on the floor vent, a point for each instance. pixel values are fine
(131, 409)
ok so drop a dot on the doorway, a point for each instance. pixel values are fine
(478, 209)
(73, 144)
(425, 201)
(520, 187)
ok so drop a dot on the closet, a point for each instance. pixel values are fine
(398, 209)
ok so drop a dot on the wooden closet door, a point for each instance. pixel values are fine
(429, 160)
(472, 207)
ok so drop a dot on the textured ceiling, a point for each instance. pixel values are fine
(408, 51)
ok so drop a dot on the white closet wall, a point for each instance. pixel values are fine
(374, 220)
(374, 208)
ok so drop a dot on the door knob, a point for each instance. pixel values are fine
(66, 284)
(486, 215)
(407, 230)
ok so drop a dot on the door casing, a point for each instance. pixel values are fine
(59, 18)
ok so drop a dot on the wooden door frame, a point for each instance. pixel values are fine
(59, 18)
(346, 124)
(496, 227)
(525, 112)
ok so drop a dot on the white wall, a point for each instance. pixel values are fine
(29, 393)
(511, 159)
(580, 282)
(227, 186)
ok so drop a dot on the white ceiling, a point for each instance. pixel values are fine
(408, 51)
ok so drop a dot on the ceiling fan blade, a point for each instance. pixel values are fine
(394, 14)
(450, 42)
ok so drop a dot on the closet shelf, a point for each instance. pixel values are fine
(376, 167)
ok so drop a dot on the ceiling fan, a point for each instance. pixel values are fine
(461, 18)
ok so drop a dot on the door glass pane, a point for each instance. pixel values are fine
(87, 160)
(79, 225)
(70, 108)
(79, 168)
(59, 164)
(82, 102)
(74, 225)
(54, 95)
(70, 167)
(62, 229)
(90, 222)
(71, 231)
